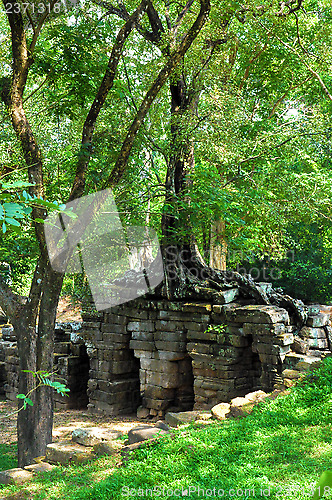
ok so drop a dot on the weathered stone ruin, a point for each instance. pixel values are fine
(71, 364)
(156, 356)
(178, 356)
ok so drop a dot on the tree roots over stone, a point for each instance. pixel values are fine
(188, 277)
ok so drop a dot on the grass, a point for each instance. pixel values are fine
(278, 452)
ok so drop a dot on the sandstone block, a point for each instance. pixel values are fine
(182, 418)
(292, 374)
(67, 452)
(263, 330)
(318, 320)
(15, 476)
(145, 432)
(221, 410)
(170, 346)
(300, 346)
(87, 436)
(142, 412)
(106, 448)
(40, 467)
(257, 314)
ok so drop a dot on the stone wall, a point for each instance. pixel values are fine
(178, 356)
(158, 356)
(71, 364)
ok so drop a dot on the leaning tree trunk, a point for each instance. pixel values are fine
(35, 350)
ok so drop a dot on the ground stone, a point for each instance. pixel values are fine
(107, 448)
(145, 432)
(183, 417)
(291, 374)
(15, 476)
(221, 410)
(142, 412)
(66, 452)
(86, 437)
(40, 467)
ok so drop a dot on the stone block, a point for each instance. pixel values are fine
(111, 339)
(113, 328)
(169, 336)
(312, 333)
(156, 404)
(155, 392)
(15, 476)
(142, 345)
(87, 436)
(144, 433)
(199, 348)
(292, 374)
(141, 326)
(183, 316)
(227, 296)
(257, 314)
(182, 418)
(196, 308)
(238, 341)
(169, 381)
(318, 320)
(169, 326)
(157, 365)
(106, 448)
(221, 410)
(257, 329)
(40, 467)
(170, 346)
(115, 319)
(142, 412)
(300, 346)
(318, 343)
(67, 452)
(171, 356)
(145, 336)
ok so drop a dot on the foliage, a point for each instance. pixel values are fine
(306, 270)
(282, 447)
(43, 379)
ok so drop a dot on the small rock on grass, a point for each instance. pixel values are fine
(15, 476)
(186, 417)
(221, 410)
(40, 467)
(144, 432)
(67, 452)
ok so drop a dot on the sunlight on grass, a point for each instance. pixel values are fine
(279, 452)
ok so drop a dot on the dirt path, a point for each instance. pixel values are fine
(65, 421)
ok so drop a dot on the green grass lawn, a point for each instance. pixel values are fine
(277, 452)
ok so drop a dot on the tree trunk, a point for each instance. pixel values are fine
(176, 234)
(35, 350)
(218, 246)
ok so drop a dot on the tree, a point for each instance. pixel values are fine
(35, 345)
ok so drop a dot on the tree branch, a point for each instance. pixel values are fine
(180, 17)
(104, 88)
(22, 60)
(312, 71)
(161, 79)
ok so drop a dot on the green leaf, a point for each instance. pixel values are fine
(21, 396)
(28, 400)
(12, 222)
